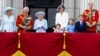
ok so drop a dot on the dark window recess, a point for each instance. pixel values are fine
(43, 3)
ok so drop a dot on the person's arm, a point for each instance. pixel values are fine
(76, 27)
(36, 25)
(96, 18)
(45, 26)
(55, 30)
(56, 19)
(85, 27)
(67, 19)
(85, 15)
(19, 22)
(66, 28)
(2, 24)
(88, 24)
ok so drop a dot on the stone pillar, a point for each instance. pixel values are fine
(0, 11)
(82, 7)
(98, 4)
(8, 3)
(69, 5)
(18, 5)
(2, 7)
(77, 9)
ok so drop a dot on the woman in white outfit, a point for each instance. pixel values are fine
(8, 21)
(61, 17)
(40, 24)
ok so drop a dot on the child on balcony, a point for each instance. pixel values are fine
(70, 28)
(58, 29)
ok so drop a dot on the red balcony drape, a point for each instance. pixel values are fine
(50, 44)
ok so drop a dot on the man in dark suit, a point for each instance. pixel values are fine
(80, 26)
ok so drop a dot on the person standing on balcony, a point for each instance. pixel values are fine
(8, 21)
(58, 29)
(91, 17)
(71, 26)
(40, 24)
(80, 25)
(61, 17)
(24, 22)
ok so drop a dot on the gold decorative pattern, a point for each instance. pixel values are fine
(64, 52)
(19, 52)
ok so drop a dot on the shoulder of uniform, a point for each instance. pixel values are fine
(86, 10)
(21, 15)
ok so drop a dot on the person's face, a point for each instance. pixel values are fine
(40, 16)
(58, 26)
(81, 18)
(90, 6)
(26, 11)
(9, 12)
(61, 9)
(71, 22)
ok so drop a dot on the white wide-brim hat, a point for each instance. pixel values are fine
(9, 8)
(40, 13)
(59, 7)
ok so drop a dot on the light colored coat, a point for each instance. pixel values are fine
(7, 24)
(62, 19)
(40, 26)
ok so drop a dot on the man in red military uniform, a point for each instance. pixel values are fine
(24, 21)
(91, 17)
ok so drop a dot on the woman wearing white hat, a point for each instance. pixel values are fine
(61, 17)
(40, 24)
(8, 21)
